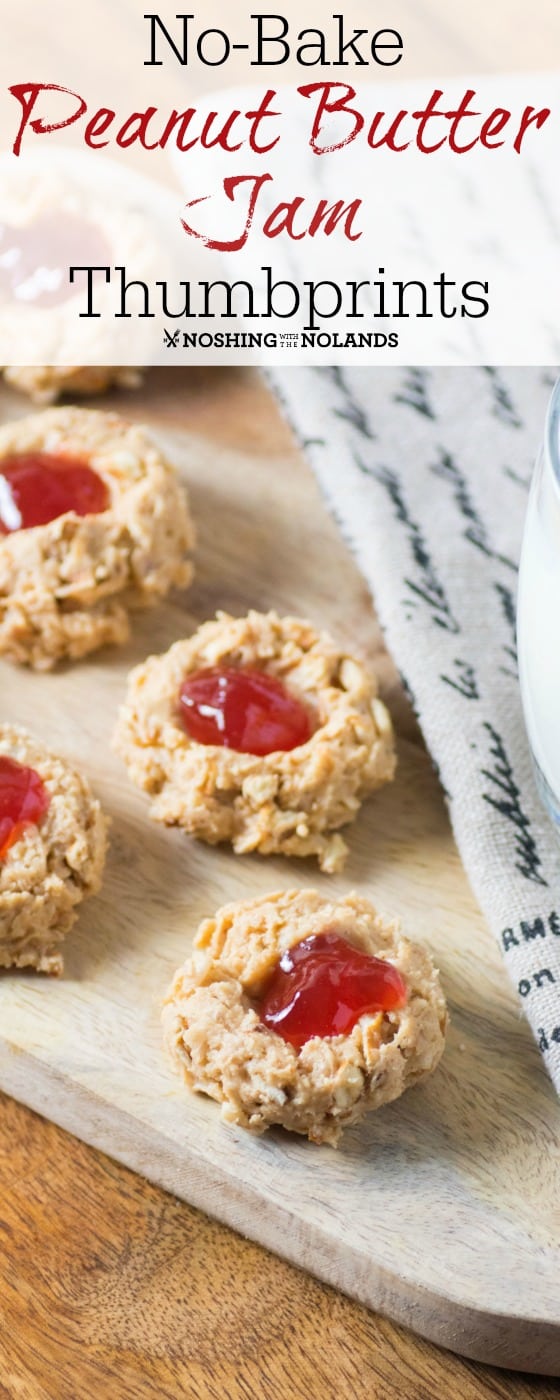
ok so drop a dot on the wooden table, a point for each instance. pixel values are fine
(111, 1288)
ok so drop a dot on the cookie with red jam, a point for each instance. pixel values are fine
(304, 1012)
(259, 731)
(93, 523)
(52, 850)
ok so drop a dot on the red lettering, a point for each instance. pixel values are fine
(231, 184)
(326, 107)
(185, 119)
(98, 124)
(135, 128)
(389, 139)
(423, 117)
(256, 117)
(331, 216)
(27, 94)
(222, 136)
(456, 118)
(492, 127)
(530, 115)
(282, 220)
(207, 141)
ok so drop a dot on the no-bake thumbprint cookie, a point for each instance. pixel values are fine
(258, 731)
(93, 523)
(52, 850)
(304, 1012)
(46, 383)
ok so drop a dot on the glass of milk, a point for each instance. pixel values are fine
(538, 614)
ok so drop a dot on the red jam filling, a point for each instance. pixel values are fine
(249, 711)
(23, 801)
(322, 986)
(36, 487)
(35, 259)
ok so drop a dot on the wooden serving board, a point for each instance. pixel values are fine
(442, 1211)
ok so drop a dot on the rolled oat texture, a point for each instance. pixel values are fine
(66, 588)
(216, 1042)
(53, 866)
(47, 383)
(287, 803)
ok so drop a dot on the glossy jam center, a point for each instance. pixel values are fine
(23, 801)
(35, 259)
(249, 711)
(36, 487)
(322, 986)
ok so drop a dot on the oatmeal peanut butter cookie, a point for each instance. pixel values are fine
(93, 523)
(46, 383)
(259, 731)
(357, 1034)
(52, 850)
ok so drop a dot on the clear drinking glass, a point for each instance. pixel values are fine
(538, 614)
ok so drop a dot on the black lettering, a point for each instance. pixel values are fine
(224, 48)
(482, 302)
(359, 59)
(545, 975)
(229, 288)
(269, 39)
(429, 588)
(503, 405)
(505, 798)
(476, 532)
(317, 50)
(125, 287)
(401, 288)
(351, 410)
(157, 24)
(377, 45)
(90, 276)
(535, 930)
(415, 393)
(185, 310)
(464, 681)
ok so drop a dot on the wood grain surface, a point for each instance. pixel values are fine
(112, 1289)
(443, 1210)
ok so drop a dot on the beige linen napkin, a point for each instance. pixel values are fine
(427, 473)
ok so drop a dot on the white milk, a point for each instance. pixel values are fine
(538, 619)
